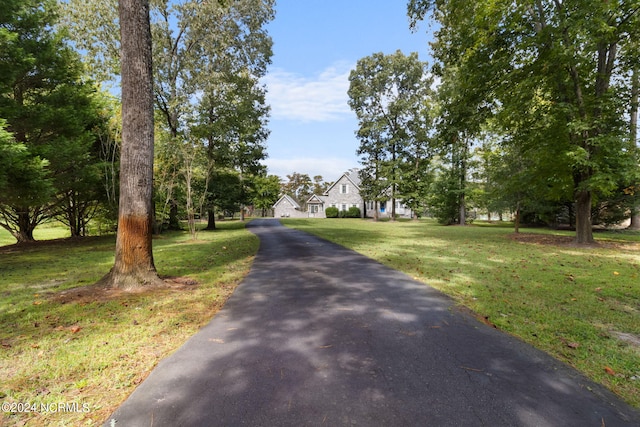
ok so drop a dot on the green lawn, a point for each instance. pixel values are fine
(94, 348)
(581, 305)
(48, 231)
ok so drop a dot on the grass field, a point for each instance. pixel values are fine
(62, 343)
(47, 231)
(63, 346)
(581, 305)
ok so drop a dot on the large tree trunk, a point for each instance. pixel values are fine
(25, 227)
(134, 266)
(211, 219)
(584, 230)
(635, 83)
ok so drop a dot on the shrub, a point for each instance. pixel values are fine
(353, 212)
(332, 212)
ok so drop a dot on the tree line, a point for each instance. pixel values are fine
(534, 112)
(60, 124)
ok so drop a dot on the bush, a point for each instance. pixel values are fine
(332, 212)
(353, 212)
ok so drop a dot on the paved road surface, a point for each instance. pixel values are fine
(318, 335)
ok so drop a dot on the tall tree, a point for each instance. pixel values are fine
(388, 93)
(207, 56)
(319, 185)
(565, 53)
(299, 186)
(267, 191)
(50, 109)
(633, 132)
(21, 174)
(134, 266)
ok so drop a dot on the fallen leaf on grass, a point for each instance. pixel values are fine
(573, 345)
(615, 273)
(609, 371)
(75, 329)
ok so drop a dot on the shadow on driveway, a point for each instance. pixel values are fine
(319, 335)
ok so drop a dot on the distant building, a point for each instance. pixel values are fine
(343, 194)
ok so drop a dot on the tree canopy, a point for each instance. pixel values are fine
(51, 111)
(391, 96)
(554, 75)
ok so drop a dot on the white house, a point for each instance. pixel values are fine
(343, 194)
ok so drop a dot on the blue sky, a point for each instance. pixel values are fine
(316, 44)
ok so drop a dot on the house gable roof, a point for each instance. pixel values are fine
(288, 199)
(315, 199)
(351, 175)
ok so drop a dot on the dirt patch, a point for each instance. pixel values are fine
(633, 340)
(99, 292)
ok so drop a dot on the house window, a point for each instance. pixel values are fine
(344, 207)
(344, 189)
(353, 205)
(313, 208)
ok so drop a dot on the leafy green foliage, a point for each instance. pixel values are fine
(267, 192)
(332, 212)
(554, 78)
(353, 212)
(390, 95)
(50, 111)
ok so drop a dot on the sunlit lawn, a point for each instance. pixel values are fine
(580, 304)
(94, 351)
(47, 231)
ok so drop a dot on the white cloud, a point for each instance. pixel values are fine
(319, 98)
(330, 168)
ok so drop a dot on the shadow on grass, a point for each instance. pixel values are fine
(33, 274)
(321, 335)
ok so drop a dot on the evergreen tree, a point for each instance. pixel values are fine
(50, 111)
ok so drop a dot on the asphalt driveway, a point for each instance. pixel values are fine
(319, 335)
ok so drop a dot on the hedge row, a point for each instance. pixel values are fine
(332, 212)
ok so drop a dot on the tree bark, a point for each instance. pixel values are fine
(211, 219)
(584, 230)
(25, 228)
(635, 83)
(134, 266)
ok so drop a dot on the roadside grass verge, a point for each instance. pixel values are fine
(581, 305)
(62, 341)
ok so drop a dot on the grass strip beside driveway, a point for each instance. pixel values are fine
(64, 343)
(581, 305)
